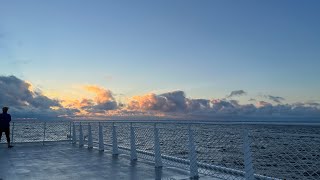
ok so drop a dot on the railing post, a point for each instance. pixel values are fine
(70, 131)
(80, 136)
(115, 150)
(157, 151)
(248, 166)
(90, 141)
(12, 132)
(44, 132)
(133, 144)
(101, 145)
(192, 155)
(74, 134)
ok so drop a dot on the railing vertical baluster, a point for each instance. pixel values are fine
(248, 166)
(12, 140)
(44, 132)
(90, 141)
(74, 134)
(192, 155)
(80, 136)
(157, 151)
(133, 144)
(115, 150)
(70, 131)
(101, 144)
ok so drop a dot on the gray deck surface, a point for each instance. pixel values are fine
(66, 161)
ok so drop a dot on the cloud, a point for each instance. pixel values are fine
(221, 106)
(100, 104)
(175, 101)
(23, 101)
(263, 104)
(15, 92)
(313, 104)
(167, 102)
(275, 99)
(237, 93)
(145, 102)
(198, 105)
(102, 95)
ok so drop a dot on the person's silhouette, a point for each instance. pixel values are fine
(5, 119)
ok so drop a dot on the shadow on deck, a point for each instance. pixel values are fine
(66, 161)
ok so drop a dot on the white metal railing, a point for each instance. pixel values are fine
(225, 150)
(231, 150)
(39, 131)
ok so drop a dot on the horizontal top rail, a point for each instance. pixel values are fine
(213, 122)
(40, 121)
(202, 122)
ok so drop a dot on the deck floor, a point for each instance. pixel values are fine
(66, 161)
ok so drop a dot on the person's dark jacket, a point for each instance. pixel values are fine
(5, 120)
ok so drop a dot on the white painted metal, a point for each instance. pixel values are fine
(90, 141)
(115, 150)
(12, 133)
(192, 155)
(133, 153)
(101, 144)
(248, 166)
(74, 134)
(70, 130)
(81, 136)
(145, 134)
(157, 151)
(44, 131)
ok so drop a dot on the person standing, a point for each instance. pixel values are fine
(5, 119)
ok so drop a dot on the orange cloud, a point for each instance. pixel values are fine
(102, 95)
(102, 102)
(145, 102)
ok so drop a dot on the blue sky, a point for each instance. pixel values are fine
(205, 48)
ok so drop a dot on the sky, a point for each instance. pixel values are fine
(146, 56)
